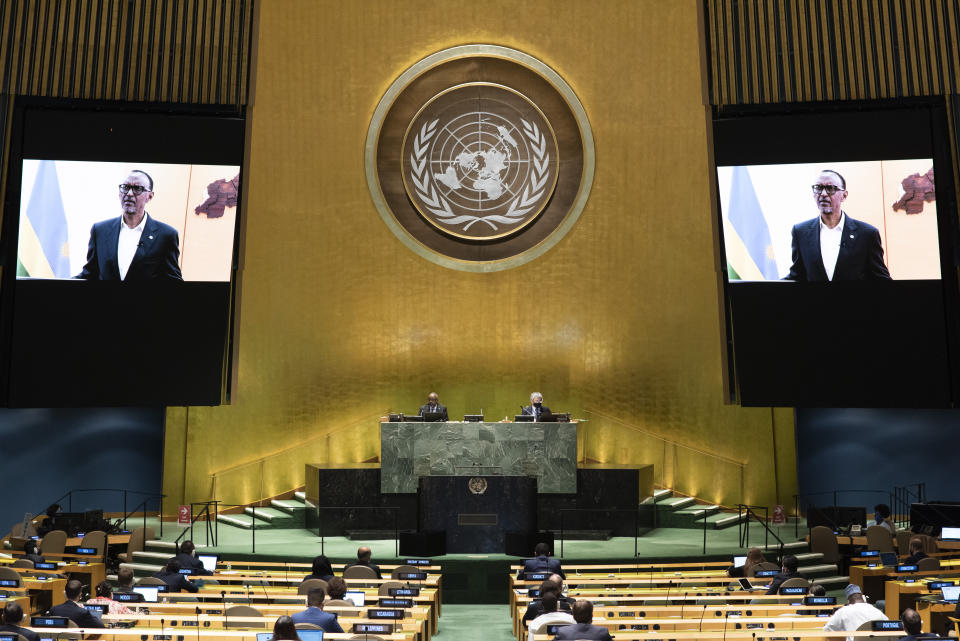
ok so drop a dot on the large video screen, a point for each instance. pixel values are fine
(129, 221)
(120, 254)
(830, 221)
(837, 229)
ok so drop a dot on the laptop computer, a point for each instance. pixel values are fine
(888, 559)
(149, 593)
(746, 585)
(266, 636)
(432, 417)
(357, 597)
(950, 593)
(209, 561)
(97, 610)
(950, 534)
(739, 561)
(310, 635)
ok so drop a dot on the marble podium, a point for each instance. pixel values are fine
(547, 451)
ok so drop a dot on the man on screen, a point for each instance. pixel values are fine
(134, 246)
(834, 246)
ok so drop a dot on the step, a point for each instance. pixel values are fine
(237, 520)
(832, 582)
(269, 515)
(658, 495)
(301, 496)
(169, 547)
(676, 503)
(288, 506)
(142, 569)
(823, 569)
(689, 517)
(723, 520)
(788, 548)
(808, 558)
(152, 557)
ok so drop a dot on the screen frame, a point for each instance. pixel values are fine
(935, 110)
(159, 112)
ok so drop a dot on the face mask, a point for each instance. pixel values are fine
(537, 404)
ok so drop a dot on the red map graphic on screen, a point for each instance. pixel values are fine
(917, 190)
(220, 195)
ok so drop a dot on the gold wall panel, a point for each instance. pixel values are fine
(340, 322)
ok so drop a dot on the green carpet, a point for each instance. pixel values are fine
(469, 622)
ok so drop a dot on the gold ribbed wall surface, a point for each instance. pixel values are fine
(767, 51)
(188, 51)
(618, 323)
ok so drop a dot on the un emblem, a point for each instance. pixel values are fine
(479, 158)
(480, 161)
(477, 485)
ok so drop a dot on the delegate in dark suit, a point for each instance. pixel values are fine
(76, 613)
(542, 563)
(29, 635)
(190, 562)
(175, 581)
(442, 409)
(860, 257)
(157, 256)
(586, 631)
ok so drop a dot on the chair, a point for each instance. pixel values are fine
(243, 611)
(339, 603)
(766, 565)
(867, 626)
(402, 568)
(796, 582)
(311, 584)
(928, 564)
(150, 580)
(386, 585)
(9, 574)
(903, 542)
(23, 563)
(359, 572)
(824, 541)
(138, 539)
(879, 538)
(53, 543)
(96, 540)
(366, 637)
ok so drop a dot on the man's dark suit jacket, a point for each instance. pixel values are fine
(76, 613)
(373, 567)
(175, 581)
(439, 408)
(156, 258)
(190, 562)
(542, 564)
(913, 559)
(535, 609)
(583, 631)
(778, 581)
(528, 410)
(860, 257)
(29, 635)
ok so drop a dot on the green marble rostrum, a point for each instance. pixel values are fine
(545, 450)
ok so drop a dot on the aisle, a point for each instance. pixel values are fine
(475, 623)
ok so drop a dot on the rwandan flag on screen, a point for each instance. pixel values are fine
(44, 250)
(750, 251)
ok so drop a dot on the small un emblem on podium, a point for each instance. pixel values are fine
(477, 485)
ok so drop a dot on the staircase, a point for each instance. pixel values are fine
(812, 566)
(281, 514)
(153, 557)
(686, 513)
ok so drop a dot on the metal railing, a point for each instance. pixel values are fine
(125, 494)
(212, 526)
(744, 527)
(903, 497)
(394, 511)
(571, 511)
(897, 499)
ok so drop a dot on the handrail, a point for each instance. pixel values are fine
(719, 457)
(796, 501)
(389, 508)
(748, 510)
(297, 446)
(150, 495)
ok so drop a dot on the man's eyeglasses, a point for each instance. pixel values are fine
(136, 189)
(830, 189)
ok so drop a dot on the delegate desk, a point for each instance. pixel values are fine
(175, 634)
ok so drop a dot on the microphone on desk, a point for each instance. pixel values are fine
(197, 612)
(266, 599)
(223, 600)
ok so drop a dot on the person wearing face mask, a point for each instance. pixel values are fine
(536, 407)
(833, 246)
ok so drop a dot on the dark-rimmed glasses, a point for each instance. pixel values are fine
(136, 189)
(830, 189)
